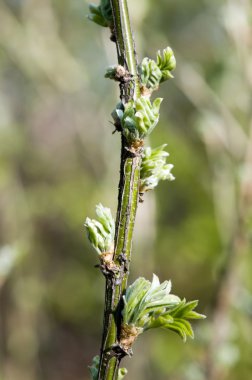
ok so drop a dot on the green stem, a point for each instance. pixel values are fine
(116, 286)
(127, 205)
(124, 41)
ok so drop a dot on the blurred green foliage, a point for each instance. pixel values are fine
(58, 158)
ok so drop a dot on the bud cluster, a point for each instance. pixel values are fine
(101, 232)
(150, 305)
(140, 118)
(152, 73)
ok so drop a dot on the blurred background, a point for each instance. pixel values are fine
(58, 159)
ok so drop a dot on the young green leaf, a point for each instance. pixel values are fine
(152, 73)
(150, 305)
(166, 62)
(140, 118)
(154, 168)
(101, 14)
(101, 232)
(96, 15)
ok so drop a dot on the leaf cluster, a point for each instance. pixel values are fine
(154, 168)
(152, 73)
(101, 232)
(150, 305)
(138, 118)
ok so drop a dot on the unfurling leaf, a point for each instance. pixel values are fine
(152, 73)
(101, 232)
(166, 62)
(150, 305)
(137, 118)
(154, 168)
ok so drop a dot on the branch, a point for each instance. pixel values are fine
(127, 202)
(144, 305)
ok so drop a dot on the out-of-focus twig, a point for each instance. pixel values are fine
(229, 148)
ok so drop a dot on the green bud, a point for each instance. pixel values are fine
(105, 217)
(166, 62)
(150, 305)
(153, 73)
(101, 232)
(147, 114)
(140, 118)
(117, 115)
(154, 168)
